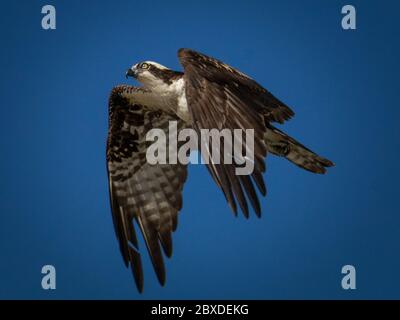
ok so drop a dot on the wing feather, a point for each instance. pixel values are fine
(215, 71)
(148, 194)
(214, 88)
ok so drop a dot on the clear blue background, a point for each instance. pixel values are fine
(343, 85)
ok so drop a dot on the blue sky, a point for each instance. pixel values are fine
(343, 86)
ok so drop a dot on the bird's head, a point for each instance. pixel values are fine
(149, 73)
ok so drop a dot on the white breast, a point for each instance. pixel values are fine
(182, 110)
(173, 97)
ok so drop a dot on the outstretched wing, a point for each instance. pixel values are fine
(148, 194)
(199, 66)
(214, 88)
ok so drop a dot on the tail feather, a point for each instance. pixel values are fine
(281, 144)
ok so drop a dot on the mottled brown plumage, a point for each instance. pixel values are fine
(209, 94)
(148, 194)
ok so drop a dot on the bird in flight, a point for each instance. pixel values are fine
(208, 94)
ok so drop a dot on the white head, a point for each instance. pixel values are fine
(150, 73)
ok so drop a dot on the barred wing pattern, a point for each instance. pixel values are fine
(147, 194)
(214, 88)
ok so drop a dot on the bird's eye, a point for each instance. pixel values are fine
(144, 65)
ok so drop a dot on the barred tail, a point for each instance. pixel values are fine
(281, 144)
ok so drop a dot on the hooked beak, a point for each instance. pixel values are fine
(131, 73)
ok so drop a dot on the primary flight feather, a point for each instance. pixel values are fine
(209, 94)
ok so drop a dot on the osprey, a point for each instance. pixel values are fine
(209, 94)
